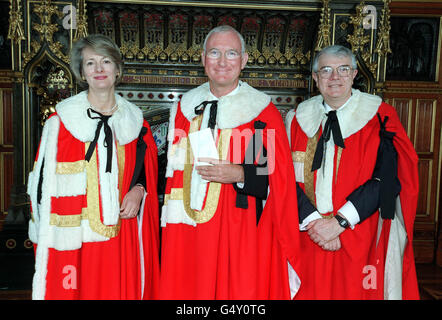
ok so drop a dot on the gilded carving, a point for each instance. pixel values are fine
(45, 11)
(383, 43)
(81, 30)
(15, 32)
(324, 27)
(359, 40)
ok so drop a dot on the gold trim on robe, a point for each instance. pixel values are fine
(214, 188)
(92, 211)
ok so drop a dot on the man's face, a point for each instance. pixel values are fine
(334, 87)
(222, 60)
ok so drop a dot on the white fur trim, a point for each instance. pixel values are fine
(299, 171)
(174, 212)
(288, 124)
(33, 230)
(353, 116)
(233, 110)
(69, 185)
(32, 187)
(140, 218)
(177, 159)
(48, 188)
(126, 121)
(109, 193)
(170, 137)
(397, 241)
(324, 179)
(198, 188)
(294, 281)
(71, 238)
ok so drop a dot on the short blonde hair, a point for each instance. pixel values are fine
(102, 45)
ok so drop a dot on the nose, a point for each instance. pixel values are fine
(99, 67)
(334, 74)
(222, 60)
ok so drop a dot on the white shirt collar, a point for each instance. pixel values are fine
(234, 91)
(328, 108)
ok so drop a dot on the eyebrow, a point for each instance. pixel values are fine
(342, 65)
(231, 49)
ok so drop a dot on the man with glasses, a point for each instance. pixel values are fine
(228, 152)
(357, 187)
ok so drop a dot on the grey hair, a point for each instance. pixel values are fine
(337, 51)
(226, 28)
(102, 45)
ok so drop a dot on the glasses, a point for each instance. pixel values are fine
(342, 71)
(216, 54)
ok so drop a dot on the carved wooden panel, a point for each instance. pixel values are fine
(7, 137)
(420, 115)
(425, 117)
(6, 148)
(423, 210)
(6, 170)
(403, 108)
(163, 44)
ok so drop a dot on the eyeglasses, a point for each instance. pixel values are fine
(342, 71)
(229, 54)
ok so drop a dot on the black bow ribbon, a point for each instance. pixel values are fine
(199, 109)
(386, 171)
(331, 126)
(107, 137)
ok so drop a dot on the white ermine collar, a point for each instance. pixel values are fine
(233, 110)
(126, 121)
(353, 116)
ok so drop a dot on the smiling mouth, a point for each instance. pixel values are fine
(100, 78)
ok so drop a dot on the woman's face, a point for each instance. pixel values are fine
(99, 71)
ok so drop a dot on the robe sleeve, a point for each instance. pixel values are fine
(150, 223)
(409, 180)
(279, 227)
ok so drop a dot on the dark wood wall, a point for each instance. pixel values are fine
(414, 88)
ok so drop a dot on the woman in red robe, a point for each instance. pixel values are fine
(93, 189)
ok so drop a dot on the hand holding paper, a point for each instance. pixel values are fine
(203, 145)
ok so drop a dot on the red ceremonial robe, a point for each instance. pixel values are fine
(78, 256)
(227, 255)
(356, 271)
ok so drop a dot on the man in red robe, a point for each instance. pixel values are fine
(357, 186)
(228, 152)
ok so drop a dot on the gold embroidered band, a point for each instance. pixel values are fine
(214, 188)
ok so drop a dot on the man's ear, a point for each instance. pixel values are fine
(355, 72)
(202, 58)
(315, 77)
(244, 59)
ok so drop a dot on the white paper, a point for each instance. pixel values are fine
(203, 146)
